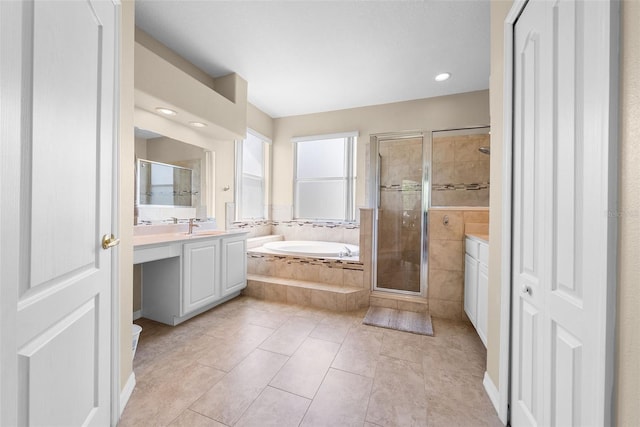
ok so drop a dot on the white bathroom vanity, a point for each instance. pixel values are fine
(476, 282)
(184, 274)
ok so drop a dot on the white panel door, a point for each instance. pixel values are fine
(563, 241)
(58, 86)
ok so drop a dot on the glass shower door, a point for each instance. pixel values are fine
(400, 215)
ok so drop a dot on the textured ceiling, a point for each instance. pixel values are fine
(303, 57)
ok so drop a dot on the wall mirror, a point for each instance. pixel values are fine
(460, 167)
(171, 175)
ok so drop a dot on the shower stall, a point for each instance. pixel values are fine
(410, 173)
(400, 193)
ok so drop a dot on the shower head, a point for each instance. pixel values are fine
(485, 150)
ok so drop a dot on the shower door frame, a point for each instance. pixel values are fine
(374, 197)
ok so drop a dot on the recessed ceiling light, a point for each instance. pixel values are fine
(197, 124)
(442, 77)
(166, 111)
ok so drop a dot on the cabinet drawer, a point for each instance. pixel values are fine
(472, 248)
(484, 254)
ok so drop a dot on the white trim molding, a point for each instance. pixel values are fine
(352, 134)
(492, 391)
(127, 391)
(504, 365)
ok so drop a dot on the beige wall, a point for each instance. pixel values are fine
(125, 188)
(259, 121)
(140, 149)
(499, 11)
(628, 347)
(167, 150)
(446, 112)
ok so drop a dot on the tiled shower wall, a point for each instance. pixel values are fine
(446, 259)
(460, 174)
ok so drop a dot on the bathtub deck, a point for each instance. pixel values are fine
(307, 293)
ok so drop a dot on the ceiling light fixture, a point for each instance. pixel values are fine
(442, 77)
(198, 124)
(166, 111)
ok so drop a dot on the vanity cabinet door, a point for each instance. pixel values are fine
(234, 264)
(201, 269)
(471, 287)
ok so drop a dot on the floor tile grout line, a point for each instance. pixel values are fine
(373, 380)
(366, 412)
(250, 405)
(352, 373)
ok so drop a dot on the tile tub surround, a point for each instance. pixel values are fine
(333, 284)
(256, 363)
(446, 258)
(345, 272)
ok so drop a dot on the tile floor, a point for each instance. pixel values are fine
(258, 363)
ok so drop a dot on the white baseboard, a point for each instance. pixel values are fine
(126, 392)
(137, 314)
(492, 392)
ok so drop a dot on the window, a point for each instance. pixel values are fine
(324, 177)
(250, 178)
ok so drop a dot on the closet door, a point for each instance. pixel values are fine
(563, 238)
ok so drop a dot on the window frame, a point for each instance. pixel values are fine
(350, 145)
(239, 175)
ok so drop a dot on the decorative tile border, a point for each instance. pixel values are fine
(449, 187)
(297, 223)
(324, 262)
(406, 186)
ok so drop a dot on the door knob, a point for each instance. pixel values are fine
(526, 289)
(109, 241)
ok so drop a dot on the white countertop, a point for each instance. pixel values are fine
(180, 236)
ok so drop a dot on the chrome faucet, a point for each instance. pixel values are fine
(173, 220)
(191, 225)
(349, 253)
